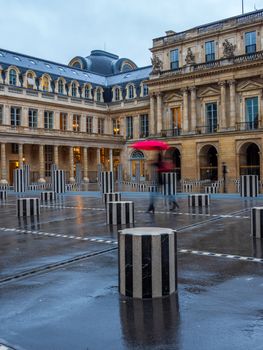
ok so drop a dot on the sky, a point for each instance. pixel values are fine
(59, 30)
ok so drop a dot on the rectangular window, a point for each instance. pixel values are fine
(251, 116)
(100, 126)
(176, 121)
(48, 159)
(209, 51)
(144, 125)
(15, 116)
(32, 118)
(76, 123)
(116, 126)
(129, 127)
(250, 42)
(14, 148)
(174, 59)
(48, 120)
(89, 124)
(1, 115)
(211, 117)
(63, 121)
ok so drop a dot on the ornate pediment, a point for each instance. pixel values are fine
(172, 97)
(249, 85)
(209, 91)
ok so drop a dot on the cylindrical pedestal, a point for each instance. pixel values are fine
(107, 182)
(112, 197)
(3, 195)
(211, 189)
(249, 186)
(58, 181)
(147, 262)
(198, 200)
(47, 196)
(188, 188)
(27, 206)
(120, 213)
(257, 222)
(19, 180)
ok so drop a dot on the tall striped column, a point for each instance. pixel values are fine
(47, 196)
(198, 200)
(3, 195)
(147, 262)
(120, 213)
(58, 181)
(257, 222)
(107, 181)
(26, 169)
(19, 180)
(249, 186)
(169, 184)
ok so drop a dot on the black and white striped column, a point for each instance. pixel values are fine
(47, 196)
(112, 197)
(169, 184)
(249, 186)
(188, 188)
(26, 169)
(3, 195)
(27, 206)
(147, 262)
(19, 180)
(107, 182)
(58, 181)
(211, 189)
(198, 200)
(257, 222)
(120, 213)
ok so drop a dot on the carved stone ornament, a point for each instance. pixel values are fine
(157, 64)
(190, 57)
(229, 49)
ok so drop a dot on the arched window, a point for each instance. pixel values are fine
(137, 164)
(60, 87)
(45, 84)
(131, 91)
(12, 77)
(87, 92)
(117, 94)
(99, 94)
(30, 81)
(74, 90)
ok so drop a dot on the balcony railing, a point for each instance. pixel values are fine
(252, 125)
(171, 132)
(206, 129)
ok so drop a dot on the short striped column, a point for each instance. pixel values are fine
(107, 182)
(147, 262)
(257, 222)
(27, 206)
(19, 180)
(120, 213)
(169, 184)
(112, 197)
(47, 196)
(188, 187)
(3, 195)
(211, 189)
(152, 188)
(249, 186)
(198, 200)
(26, 169)
(58, 181)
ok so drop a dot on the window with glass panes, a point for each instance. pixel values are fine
(76, 123)
(12, 77)
(131, 91)
(145, 90)
(116, 126)
(73, 90)
(211, 117)
(63, 121)
(209, 51)
(32, 118)
(251, 113)
(100, 126)
(1, 115)
(117, 94)
(174, 59)
(89, 124)
(87, 92)
(60, 87)
(14, 148)
(129, 127)
(48, 120)
(48, 159)
(98, 95)
(144, 125)
(15, 116)
(250, 42)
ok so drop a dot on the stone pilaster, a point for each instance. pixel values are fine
(159, 113)
(55, 150)
(20, 155)
(3, 164)
(222, 122)
(111, 159)
(193, 108)
(152, 124)
(71, 165)
(232, 113)
(41, 164)
(185, 121)
(85, 164)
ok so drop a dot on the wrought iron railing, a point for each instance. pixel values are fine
(171, 132)
(206, 129)
(252, 125)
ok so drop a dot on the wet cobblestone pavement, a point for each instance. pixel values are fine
(59, 279)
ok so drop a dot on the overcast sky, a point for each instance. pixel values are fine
(59, 30)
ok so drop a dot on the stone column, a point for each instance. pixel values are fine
(98, 156)
(83, 123)
(55, 149)
(159, 113)
(85, 164)
(70, 122)
(71, 165)
(111, 160)
(20, 155)
(152, 129)
(40, 121)
(185, 123)
(193, 109)
(232, 104)
(3, 164)
(41, 164)
(222, 123)
(24, 117)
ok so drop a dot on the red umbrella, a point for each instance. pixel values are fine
(150, 145)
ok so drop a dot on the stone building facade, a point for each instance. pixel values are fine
(202, 94)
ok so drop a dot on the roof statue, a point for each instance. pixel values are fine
(190, 57)
(157, 65)
(229, 49)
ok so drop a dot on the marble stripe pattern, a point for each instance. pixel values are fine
(257, 222)
(58, 181)
(249, 186)
(19, 180)
(169, 184)
(198, 200)
(28, 206)
(47, 196)
(107, 182)
(112, 197)
(120, 213)
(3, 195)
(147, 262)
